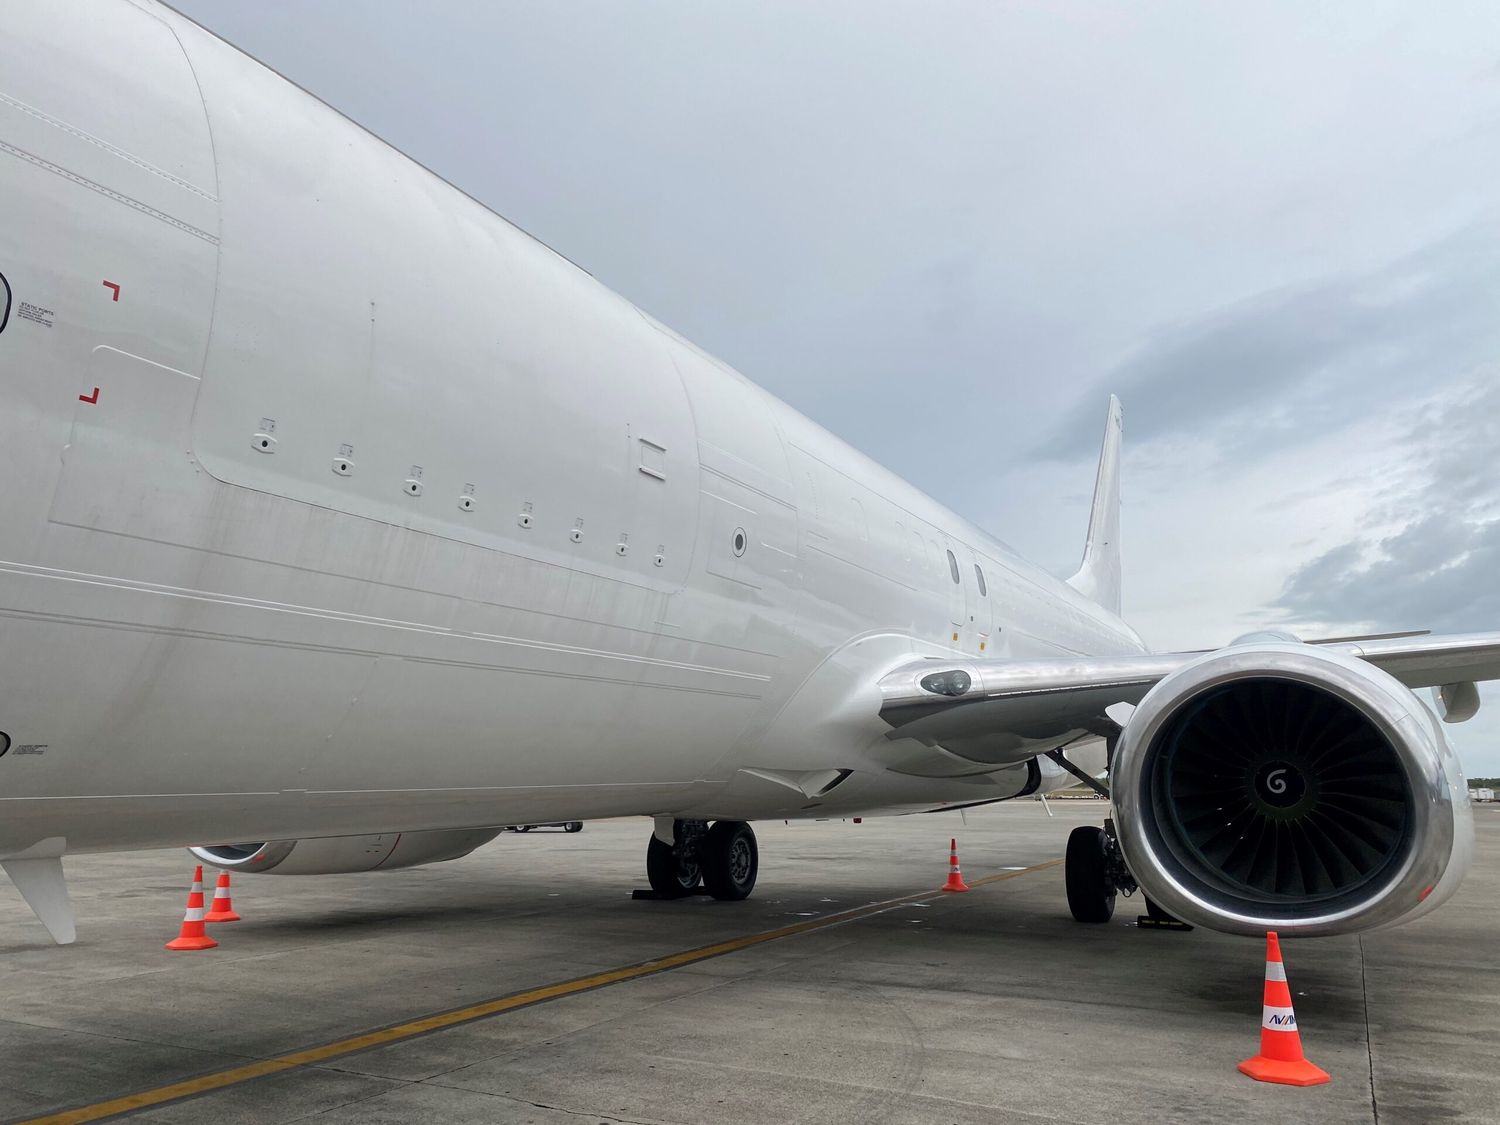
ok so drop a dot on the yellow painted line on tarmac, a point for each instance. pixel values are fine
(396, 1033)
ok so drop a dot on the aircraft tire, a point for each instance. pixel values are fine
(671, 875)
(573, 826)
(731, 860)
(1091, 894)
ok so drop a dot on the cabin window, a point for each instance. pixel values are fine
(979, 577)
(953, 567)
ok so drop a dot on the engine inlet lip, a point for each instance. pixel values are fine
(1391, 710)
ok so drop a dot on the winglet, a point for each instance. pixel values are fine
(1098, 576)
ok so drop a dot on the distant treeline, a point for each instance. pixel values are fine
(1484, 783)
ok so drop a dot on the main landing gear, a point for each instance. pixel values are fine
(723, 859)
(1094, 871)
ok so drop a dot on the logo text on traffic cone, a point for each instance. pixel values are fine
(222, 908)
(1280, 1059)
(192, 935)
(955, 876)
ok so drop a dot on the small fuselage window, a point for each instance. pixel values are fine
(979, 577)
(953, 567)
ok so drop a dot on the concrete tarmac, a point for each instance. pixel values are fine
(992, 1006)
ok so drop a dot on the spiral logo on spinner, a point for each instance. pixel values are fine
(1280, 784)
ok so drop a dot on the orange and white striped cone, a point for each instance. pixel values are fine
(955, 876)
(222, 907)
(1281, 1058)
(192, 935)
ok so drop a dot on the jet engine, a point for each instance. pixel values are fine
(1281, 786)
(336, 855)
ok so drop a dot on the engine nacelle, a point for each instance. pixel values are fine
(337, 855)
(1281, 786)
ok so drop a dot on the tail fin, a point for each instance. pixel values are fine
(1098, 576)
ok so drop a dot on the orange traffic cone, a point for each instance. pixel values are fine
(1280, 1059)
(222, 908)
(192, 935)
(955, 876)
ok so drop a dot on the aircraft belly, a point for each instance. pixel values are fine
(117, 686)
(166, 821)
(747, 797)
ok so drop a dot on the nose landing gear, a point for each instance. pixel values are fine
(1094, 871)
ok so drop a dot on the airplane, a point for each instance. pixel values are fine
(346, 523)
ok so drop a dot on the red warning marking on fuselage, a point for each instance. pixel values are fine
(93, 398)
(116, 288)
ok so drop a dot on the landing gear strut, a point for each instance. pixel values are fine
(1094, 871)
(673, 869)
(723, 859)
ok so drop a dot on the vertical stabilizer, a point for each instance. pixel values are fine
(1098, 575)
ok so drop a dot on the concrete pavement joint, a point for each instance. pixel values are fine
(345, 1105)
(1364, 995)
(600, 1117)
(132, 1039)
(550, 1040)
(1069, 1112)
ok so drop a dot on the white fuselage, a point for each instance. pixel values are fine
(385, 516)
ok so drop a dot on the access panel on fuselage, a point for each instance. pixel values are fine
(384, 346)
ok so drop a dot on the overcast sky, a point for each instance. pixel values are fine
(947, 231)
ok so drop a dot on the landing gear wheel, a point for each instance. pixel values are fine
(672, 873)
(1091, 892)
(730, 860)
(573, 826)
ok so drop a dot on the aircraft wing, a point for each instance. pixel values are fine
(939, 701)
(1428, 661)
